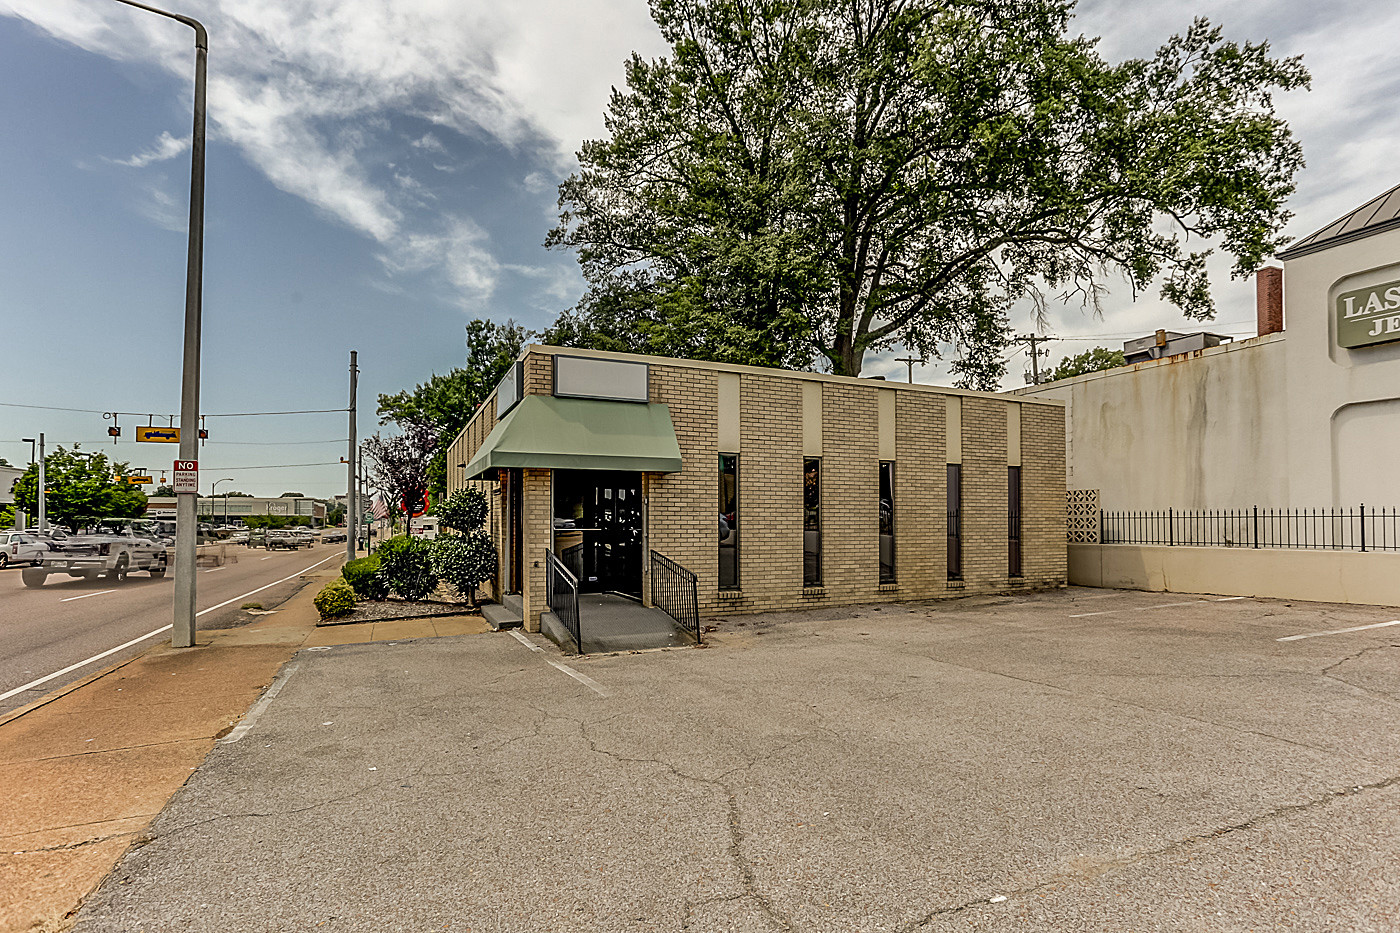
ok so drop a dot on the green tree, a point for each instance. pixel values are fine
(804, 180)
(80, 487)
(448, 402)
(292, 495)
(162, 491)
(1090, 361)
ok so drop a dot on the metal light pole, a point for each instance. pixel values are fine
(31, 442)
(43, 481)
(350, 468)
(186, 519)
(213, 490)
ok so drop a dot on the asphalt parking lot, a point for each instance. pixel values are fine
(1074, 760)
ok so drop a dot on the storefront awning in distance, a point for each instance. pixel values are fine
(544, 432)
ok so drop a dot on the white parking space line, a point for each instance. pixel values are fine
(268, 557)
(164, 628)
(85, 596)
(1340, 631)
(264, 701)
(212, 570)
(1228, 599)
(1104, 612)
(584, 679)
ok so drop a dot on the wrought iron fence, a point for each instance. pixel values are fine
(561, 588)
(673, 592)
(1366, 528)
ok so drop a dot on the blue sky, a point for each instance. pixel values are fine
(381, 172)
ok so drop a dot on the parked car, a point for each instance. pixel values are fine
(306, 536)
(257, 537)
(19, 547)
(115, 547)
(239, 537)
(333, 534)
(283, 538)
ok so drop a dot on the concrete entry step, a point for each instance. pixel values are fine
(507, 614)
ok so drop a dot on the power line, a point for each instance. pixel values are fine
(146, 414)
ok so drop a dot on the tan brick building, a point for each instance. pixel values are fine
(777, 489)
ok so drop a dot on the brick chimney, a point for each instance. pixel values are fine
(1268, 299)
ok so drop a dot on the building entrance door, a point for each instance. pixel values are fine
(598, 529)
(511, 483)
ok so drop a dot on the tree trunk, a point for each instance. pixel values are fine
(847, 359)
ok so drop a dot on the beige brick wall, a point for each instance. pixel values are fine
(682, 507)
(921, 497)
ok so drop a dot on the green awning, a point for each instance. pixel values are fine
(544, 432)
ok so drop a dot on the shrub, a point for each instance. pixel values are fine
(463, 511)
(406, 565)
(335, 599)
(365, 577)
(465, 562)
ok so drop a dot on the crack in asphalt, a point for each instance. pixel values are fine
(735, 850)
(1113, 864)
(1145, 707)
(80, 844)
(1375, 694)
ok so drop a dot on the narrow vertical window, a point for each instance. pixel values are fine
(728, 521)
(1013, 520)
(955, 570)
(886, 521)
(811, 522)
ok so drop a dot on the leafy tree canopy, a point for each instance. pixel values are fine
(162, 491)
(292, 495)
(447, 403)
(398, 465)
(1090, 361)
(804, 181)
(80, 487)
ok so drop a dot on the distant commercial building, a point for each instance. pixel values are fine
(776, 489)
(236, 508)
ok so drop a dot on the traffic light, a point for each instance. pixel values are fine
(114, 431)
(203, 434)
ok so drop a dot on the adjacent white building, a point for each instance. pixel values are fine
(1307, 417)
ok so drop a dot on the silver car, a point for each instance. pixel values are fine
(20, 547)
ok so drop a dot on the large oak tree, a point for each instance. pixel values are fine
(801, 182)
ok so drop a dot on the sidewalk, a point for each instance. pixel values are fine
(87, 768)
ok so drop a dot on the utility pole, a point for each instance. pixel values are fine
(350, 484)
(1034, 353)
(910, 361)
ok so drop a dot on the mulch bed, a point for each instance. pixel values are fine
(393, 610)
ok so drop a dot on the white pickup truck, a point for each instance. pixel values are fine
(115, 547)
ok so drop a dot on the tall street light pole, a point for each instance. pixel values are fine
(31, 442)
(350, 517)
(186, 528)
(213, 490)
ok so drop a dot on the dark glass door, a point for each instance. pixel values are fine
(598, 529)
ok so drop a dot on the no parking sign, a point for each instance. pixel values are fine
(186, 476)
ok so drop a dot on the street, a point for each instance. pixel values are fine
(69, 621)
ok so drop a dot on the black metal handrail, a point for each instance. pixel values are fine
(561, 593)
(673, 591)
(1366, 528)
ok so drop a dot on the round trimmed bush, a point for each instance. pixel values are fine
(335, 599)
(406, 565)
(365, 578)
(464, 510)
(464, 562)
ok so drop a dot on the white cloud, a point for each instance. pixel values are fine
(165, 147)
(458, 251)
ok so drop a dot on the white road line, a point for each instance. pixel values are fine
(268, 557)
(1085, 615)
(268, 587)
(584, 679)
(1335, 631)
(212, 570)
(85, 596)
(1228, 599)
(164, 628)
(264, 701)
(73, 667)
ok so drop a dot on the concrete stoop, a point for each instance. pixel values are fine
(508, 613)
